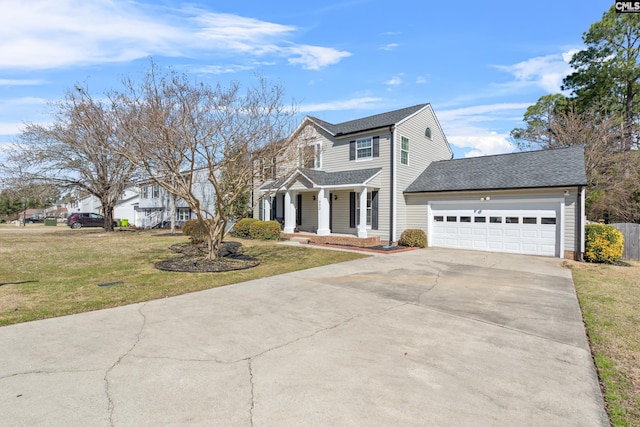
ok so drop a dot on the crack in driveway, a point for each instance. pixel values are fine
(111, 405)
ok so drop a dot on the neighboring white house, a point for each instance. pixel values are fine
(380, 175)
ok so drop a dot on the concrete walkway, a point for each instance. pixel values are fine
(428, 337)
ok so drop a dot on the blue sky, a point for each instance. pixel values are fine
(479, 63)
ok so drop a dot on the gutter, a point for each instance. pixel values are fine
(580, 233)
(392, 199)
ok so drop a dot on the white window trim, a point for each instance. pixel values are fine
(403, 150)
(367, 158)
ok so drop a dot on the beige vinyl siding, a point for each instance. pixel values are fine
(416, 206)
(422, 151)
(309, 213)
(341, 213)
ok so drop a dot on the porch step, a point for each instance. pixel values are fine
(299, 239)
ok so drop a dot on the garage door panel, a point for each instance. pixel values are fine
(502, 227)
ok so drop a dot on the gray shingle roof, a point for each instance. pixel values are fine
(534, 169)
(351, 177)
(371, 122)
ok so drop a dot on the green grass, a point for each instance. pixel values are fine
(610, 301)
(54, 271)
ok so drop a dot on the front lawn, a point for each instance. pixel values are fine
(55, 271)
(610, 301)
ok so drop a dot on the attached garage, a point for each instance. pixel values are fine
(525, 203)
(524, 227)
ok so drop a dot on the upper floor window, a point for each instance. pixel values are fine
(156, 191)
(268, 169)
(311, 156)
(427, 133)
(145, 192)
(404, 151)
(364, 148)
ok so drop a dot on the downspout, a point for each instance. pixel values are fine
(578, 253)
(392, 192)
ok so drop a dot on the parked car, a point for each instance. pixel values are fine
(33, 220)
(86, 219)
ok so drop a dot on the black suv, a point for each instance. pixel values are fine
(86, 219)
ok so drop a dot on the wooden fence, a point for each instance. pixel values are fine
(631, 234)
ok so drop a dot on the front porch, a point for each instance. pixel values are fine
(337, 207)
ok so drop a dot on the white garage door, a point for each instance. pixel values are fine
(523, 228)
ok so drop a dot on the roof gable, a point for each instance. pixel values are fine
(532, 169)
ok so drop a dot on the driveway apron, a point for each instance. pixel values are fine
(427, 337)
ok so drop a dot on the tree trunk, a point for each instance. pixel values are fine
(107, 211)
(172, 210)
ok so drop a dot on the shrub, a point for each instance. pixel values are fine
(264, 230)
(242, 228)
(603, 243)
(194, 230)
(413, 238)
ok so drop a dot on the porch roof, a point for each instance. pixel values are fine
(328, 179)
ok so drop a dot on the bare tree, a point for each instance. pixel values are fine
(183, 133)
(75, 152)
(613, 173)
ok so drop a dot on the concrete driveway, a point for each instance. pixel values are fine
(428, 337)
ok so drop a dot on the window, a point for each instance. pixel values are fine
(548, 221)
(529, 220)
(480, 219)
(183, 214)
(512, 220)
(495, 219)
(369, 205)
(145, 192)
(465, 219)
(364, 148)
(438, 218)
(268, 169)
(452, 219)
(404, 151)
(427, 133)
(156, 191)
(310, 156)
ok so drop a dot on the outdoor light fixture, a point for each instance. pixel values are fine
(314, 197)
(566, 193)
(335, 197)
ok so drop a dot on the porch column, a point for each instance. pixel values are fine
(266, 208)
(362, 225)
(289, 213)
(323, 213)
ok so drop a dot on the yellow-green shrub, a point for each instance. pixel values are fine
(413, 238)
(603, 243)
(242, 228)
(264, 230)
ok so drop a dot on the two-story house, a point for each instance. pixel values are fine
(379, 175)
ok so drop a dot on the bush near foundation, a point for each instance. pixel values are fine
(194, 230)
(242, 228)
(413, 238)
(264, 230)
(603, 243)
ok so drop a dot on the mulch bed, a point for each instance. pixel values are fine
(193, 259)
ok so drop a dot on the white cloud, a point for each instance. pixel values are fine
(389, 46)
(21, 82)
(349, 104)
(223, 69)
(482, 143)
(545, 72)
(41, 34)
(395, 80)
(421, 80)
(469, 128)
(11, 128)
(315, 57)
